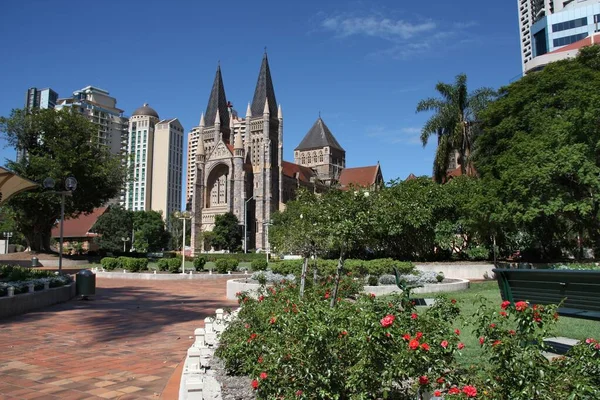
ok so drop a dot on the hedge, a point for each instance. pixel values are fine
(259, 264)
(223, 265)
(375, 267)
(128, 263)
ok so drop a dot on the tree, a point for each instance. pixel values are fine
(116, 223)
(176, 231)
(58, 144)
(227, 233)
(297, 230)
(539, 155)
(454, 123)
(149, 231)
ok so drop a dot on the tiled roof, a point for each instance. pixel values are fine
(291, 169)
(411, 177)
(359, 176)
(217, 101)
(230, 147)
(264, 90)
(579, 44)
(79, 227)
(319, 136)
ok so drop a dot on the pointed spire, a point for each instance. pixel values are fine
(266, 109)
(248, 111)
(217, 117)
(279, 113)
(319, 136)
(264, 90)
(202, 120)
(237, 142)
(217, 101)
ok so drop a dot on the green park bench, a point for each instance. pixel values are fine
(580, 290)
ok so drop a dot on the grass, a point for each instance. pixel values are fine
(468, 300)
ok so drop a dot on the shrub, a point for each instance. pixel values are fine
(174, 265)
(133, 264)
(222, 266)
(199, 263)
(478, 253)
(440, 276)
(372, 280)
(110, 263)
(163, 264)
(259, 265)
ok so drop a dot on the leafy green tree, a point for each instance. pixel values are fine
(149, 231)
(297, 230)
(58, 144)
(116, 223)
(454, 123)
(539, 155)
(176, 231)
(227, 234)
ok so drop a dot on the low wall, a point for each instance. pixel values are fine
(22, 303)
(460, 271)
(163, 277)
(235, 285)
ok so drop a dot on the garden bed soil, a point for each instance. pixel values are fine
(232, 387)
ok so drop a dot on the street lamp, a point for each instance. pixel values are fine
(125, 240)
(246, 224)
(70, 185)
(7, 236)
(267, 245)
(183, 215)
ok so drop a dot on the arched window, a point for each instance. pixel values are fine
(303, 160)
(309, 158)
(320, 156)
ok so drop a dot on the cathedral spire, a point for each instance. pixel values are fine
(217, 102)
(279, 112)
(202, 124)
(248, 111)
(264, 90)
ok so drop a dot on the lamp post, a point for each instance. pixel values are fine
(267, 246)
(7, 236)
(70, 185)
(246, 224)
(125, 240)
(183, 215)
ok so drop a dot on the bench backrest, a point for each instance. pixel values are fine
(580, 289)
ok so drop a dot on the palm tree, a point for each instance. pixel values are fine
(454, 123)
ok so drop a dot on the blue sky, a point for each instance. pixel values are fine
(364, 65)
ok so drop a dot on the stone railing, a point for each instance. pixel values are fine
(19, 304)
(198, 381)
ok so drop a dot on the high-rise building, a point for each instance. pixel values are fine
(40, 98)
(546, 26)
(155, 163)
(101, 109)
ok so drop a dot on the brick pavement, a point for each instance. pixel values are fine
(124, 344)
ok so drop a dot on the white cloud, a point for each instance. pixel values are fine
(376, 26)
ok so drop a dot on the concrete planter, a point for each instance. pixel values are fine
(26, 302)
(239, 285)
(470, 271)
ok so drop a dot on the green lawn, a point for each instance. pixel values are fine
(568, 327)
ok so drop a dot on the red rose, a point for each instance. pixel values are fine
(512, 332)
(414, 316)
(492, 326)
(444, 343)
(299, 393)
(372, 295)
(272, 320)
(406, 336)
(505, 304)
(521, 305)
(481, 340)
(461, 346)
(470, 391)
(437, 393)
(261, 298)
(413, 344)
(496, 343)
(453, 301)
(454, 390)
(387, 320)
(326, 295)
(419, 335)
(440, 380)
(254, 384)
(263, 375)
(457, 331)
(425, 346)
(597, 346)
(423, 380)
(503, 313)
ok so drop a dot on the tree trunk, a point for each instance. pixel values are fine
(303, 276)
(338, 275)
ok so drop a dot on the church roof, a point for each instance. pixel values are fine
(263, 91)
(291, 169)
(359, 176)
(410, 177)
(319, 136)
(217, 101)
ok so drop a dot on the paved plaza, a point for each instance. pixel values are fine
(126, 343)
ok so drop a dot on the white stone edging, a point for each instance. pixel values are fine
(197, 379)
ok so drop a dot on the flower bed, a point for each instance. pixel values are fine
(371, 347)
(21, 278)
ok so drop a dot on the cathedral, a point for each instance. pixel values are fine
(236, 164)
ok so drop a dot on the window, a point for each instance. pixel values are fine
(303, 159)
(574, 23)
(321, 157)
(569, 39)
(309, 159)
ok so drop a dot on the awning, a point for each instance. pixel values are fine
(11, 184)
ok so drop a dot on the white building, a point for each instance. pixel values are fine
(545, 26)
(155, 163)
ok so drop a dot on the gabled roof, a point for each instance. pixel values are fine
(79, 227)
(359, 176)
(264, 90)
(319, 136)
(217, 101)
(291, 169)
(410, 177)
